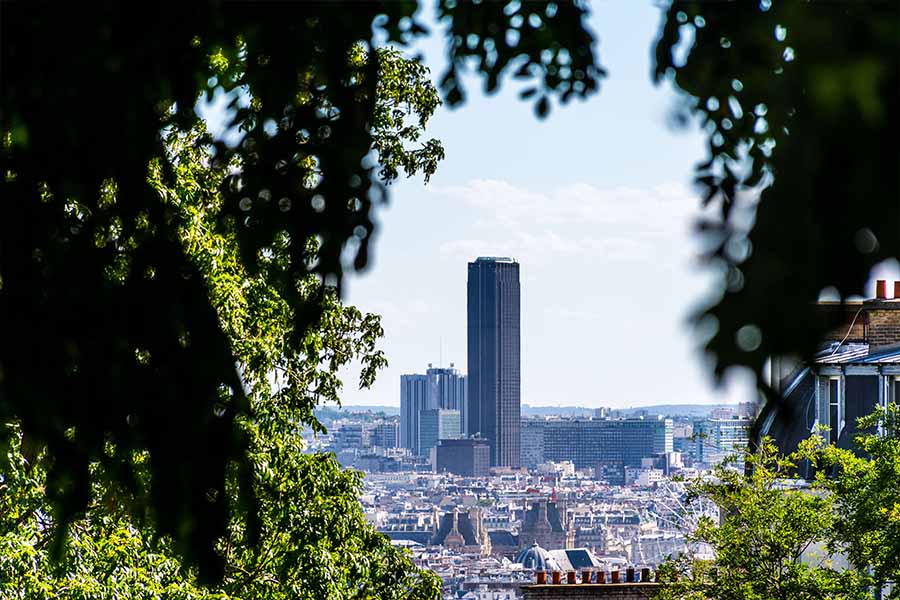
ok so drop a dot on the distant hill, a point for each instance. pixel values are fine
(681, 410)
(558, 411)
(668, 410)
(374, 409)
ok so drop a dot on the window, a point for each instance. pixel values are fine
(834, 390)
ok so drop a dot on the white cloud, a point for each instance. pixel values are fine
(658, 208)
(402, 316)
(575, 220)
(532, 248)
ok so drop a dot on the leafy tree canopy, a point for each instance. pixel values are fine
(770, 542)
(865, 484)
(110, 329)
(307, 536)
(780, 537)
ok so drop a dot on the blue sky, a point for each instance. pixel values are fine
(595, 202)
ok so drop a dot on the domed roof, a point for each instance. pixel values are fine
(535, 557)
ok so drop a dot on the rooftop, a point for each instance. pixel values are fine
(504, 259)
(858, 353)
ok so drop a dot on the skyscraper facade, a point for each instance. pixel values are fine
(413, 400)
(494, 396)
(467, 457)
(438, 389)
(446, 388)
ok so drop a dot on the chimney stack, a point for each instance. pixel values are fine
(881, 289)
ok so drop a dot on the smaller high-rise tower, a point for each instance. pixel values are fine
(413, 400)
(438, 389)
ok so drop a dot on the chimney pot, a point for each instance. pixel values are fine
(601, 576)
(897, 290)
(629, 574)
(541, 577)
(570, 577)
(645, 574)
(585, 576)
(615, 576)
(881, 289)
(556, 577)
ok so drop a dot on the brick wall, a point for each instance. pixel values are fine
(591, 591)
(878, 323)
(857, 332)
(884, 325)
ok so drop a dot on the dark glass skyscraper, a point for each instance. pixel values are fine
(494, 368)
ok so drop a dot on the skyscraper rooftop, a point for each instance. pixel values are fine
(504, 259)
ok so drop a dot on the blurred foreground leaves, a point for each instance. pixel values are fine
(800, 102)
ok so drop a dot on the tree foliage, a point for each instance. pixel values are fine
(864, 485)
(780, 537)
(770, 542)
(309, 537)
(314, 539)
(113, 329)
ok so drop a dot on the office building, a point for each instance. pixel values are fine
(593, 443)
(436, 424)
(438, 388)
(386, 434)
(494, 395)
(351, 436)
(532, 437)
(469, 457)
(717, 439)
(413, 400)
(446, 389)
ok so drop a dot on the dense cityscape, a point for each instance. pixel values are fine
(493, 495)
(487, 492)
